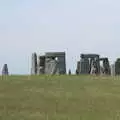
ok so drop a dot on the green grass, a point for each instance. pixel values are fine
(60, 98)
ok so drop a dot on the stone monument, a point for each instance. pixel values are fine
(106, 66)
(5, 70)
(90, 64)
(55, 63)
(34, 64)
(50, 63)
(85, 66)
(117, 67)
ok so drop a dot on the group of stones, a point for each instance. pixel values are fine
(90, 64)
(94, 64)
(50, 63)
(55, 63)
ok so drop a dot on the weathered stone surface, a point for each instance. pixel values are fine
(55, 63)
(50, 63)
(34, 64)
(85, 65)
(93, 67)
(41, 65)
(106, 66)
(113, 69)
(117, 67)
(5, 70)
(92, 56)
(90, 64)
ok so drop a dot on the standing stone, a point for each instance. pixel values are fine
(93, 68)
(78, 68)
(106, 66)
(41, 65)
(55, 69)
(113, 69)
(117, 67)
(34, 64)
(5, 70)
(98, 65)
(84, 66)
(91, 63)
(55, 63)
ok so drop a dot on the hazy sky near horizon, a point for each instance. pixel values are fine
(74, 26)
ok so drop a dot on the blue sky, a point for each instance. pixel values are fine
(74, 26)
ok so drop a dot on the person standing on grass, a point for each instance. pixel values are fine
(69, 72)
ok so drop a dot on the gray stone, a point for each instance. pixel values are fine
(90, 64)
(117, 67)
(55, 63)
(41, 65)
(85, 64)
(50, 63)
(34, 64)
(92, 56)
(113, 69)
(5, 70)
(106, 66)
(93, 67)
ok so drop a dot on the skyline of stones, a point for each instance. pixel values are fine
(115, 66)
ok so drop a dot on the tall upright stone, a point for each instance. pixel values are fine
(41, 65)
(5, 70)
(113, 69)
(117, 67)
(106, 66)
(84, 66)
(91, 64)
(34, 64)
(94, 69)
(98, 65)
(78, 68)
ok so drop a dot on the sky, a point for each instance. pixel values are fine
(73, 26)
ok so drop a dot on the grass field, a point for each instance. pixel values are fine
(60, 98)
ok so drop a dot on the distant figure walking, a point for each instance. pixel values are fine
(69, 72)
